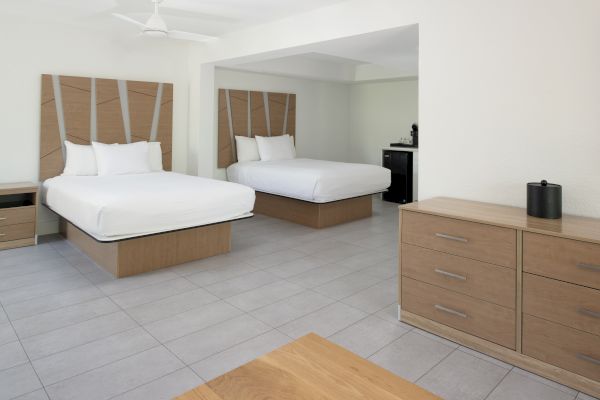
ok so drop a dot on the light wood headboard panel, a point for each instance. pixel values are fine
(243, 113)
(68, 114)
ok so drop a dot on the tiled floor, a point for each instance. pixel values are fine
(70, 331)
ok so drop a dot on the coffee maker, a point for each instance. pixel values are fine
(415, 135)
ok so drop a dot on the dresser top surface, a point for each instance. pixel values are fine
(18, 187)
(569, 226)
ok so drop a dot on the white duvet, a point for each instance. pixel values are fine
(311, 180)
(121, 206)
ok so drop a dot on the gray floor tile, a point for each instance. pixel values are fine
(319, 276)
(3, 316)
(485, 357)
(347, 285)
(368, 336)
(365, 260)
(240, 354)
(7, 333)
(241, 284)
(273, 259)
(82, 263)
(34, 278)
(216, 275)
(374, 298)
(191, 321)
(583, 396)
(295, 267)
(39, 394)
(27, 255)
(545, 381)
(11, 355)
(462, 376)
(338, 253)
(44, 265)
(289, 309)
(167, 387)
(75, 335)
(265, 295)
(136, 281)
(389, 313)
(206, 264)
(17, 381)
(383, 269)
(315, 245)
(153, 292)
(411, 356)
(519, 387)
(171, 306)
(77, 360)
(62, 317)
(43, 289)
(323, 322)
(117, 378)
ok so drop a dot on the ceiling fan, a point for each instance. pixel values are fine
(156, 27)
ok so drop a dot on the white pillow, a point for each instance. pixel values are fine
(155, 156)
(120, 159)
(247, 149)
(81, 160)
(275, 148)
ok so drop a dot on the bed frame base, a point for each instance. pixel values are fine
(315, 215)
(148, 253)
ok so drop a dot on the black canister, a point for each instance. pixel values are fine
(544, 200)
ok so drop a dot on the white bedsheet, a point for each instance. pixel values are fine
(311, 180)
(116, 207)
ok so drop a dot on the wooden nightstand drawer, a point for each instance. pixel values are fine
(568, 304)
(475, 278)
(562, 346)
(17, 215)
(565, 259)
(19, 231)
(477, 317)
(481, 242)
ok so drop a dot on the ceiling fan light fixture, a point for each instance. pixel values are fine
(155, 33)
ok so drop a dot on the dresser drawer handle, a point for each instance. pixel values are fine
(589, 267)
(450, 237)
(450, 311)
(589, 313)
(450, 274)
(587, 358)
(2, 234)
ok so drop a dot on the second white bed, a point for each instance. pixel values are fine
(311, 180)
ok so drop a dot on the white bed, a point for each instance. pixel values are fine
(310, 180)
(123, 206)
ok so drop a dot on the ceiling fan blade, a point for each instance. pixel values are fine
(196, 37)
(130, 20)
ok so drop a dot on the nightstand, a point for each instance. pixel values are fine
(18, 206)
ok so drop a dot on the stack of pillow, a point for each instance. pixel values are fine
(112, 159)
(263, 148)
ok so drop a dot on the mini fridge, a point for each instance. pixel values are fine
(400, 163)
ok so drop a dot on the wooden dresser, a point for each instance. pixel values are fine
(522, 289)
(18, 203)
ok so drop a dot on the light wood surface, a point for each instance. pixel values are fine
(502, 353)
(565, 303)
(309, 368)
(18, 223)
(17, 188)
(481, 242)
(481, 280)
(315, 215)
(562, 346)
(17, 215)
(480, 318)
(148, 253)
(18, 231)
(562, 259)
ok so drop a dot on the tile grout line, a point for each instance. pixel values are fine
(499, 382)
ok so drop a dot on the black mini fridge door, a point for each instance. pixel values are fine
(401, 165)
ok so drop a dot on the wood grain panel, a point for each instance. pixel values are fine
(17, 231)
(141, 112)
(239, 112)
(277, 103)
(111, 128)
(51, 158)
(484, 281)
(165, 126)
(257, 110)
(226, 146)
(291, 125)
(17, 215)
(567, 304)
(480, 318)
(481, 242)
(76, 108)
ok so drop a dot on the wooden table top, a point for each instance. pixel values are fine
(309, 368)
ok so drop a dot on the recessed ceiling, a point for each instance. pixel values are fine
(210, 17)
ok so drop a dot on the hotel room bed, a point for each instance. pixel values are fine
(111, 208)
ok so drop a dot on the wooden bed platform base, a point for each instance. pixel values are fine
(315, 215)
(147, 253)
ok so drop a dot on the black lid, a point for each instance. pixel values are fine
(543, 183)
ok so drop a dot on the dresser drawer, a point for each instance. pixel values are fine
(572, 305)
(564, 259)
(481, 242)
(477, 317)
(17, 215)
(475, 278)
(14, 232)
(562, 346)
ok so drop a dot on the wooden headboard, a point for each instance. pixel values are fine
(83, 110)
(248, 113)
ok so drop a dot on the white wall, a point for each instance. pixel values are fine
(380, 113)
(30, 50)
(509, 91)
(322, 108)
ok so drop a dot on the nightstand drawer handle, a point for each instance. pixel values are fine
(450, 237)
(3, 218)
(2, 234)
(587, 358)
(589, 267)
(450, 274)
(589, 313)
(450, 311)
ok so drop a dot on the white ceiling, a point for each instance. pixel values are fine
(210, 17)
